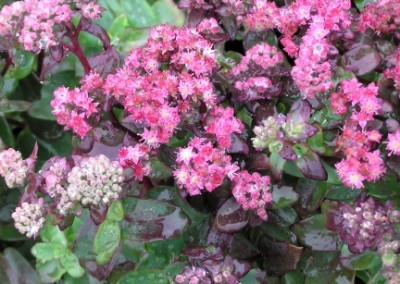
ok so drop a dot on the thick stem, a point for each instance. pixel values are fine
(77, 50)
(7, 64)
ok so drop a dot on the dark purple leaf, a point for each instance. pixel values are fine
(361, 60)
(98, 214)
(312, 232)
(310, 166)
(280, 257)
(239, 145)
(311, 194)
(57, 52)
(392, 124)
(231, 217)
(96, 30)
(194, 18)
(104, 62)
(151, 220)
(288, 153)
(242, 248)
(109, 135)
(258, 162)
(230, 25)
(299, 112)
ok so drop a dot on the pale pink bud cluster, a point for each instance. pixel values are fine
(29, 218)
(36, 23)
(366, 224)
(209, 26)
(252, 192)
(95, 181)
(13, 168)
(258, 60)
(137, 158)
(201, 166)
(74, 108)
(54, 174)
(222, 123)
(163, 81)
(193, 275)
(381, 16)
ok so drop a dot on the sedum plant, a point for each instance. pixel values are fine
(203, 141)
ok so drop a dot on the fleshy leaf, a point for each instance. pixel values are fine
(311, 166)
(106, 241)
(231, 217)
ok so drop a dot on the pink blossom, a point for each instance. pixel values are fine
(137, 158)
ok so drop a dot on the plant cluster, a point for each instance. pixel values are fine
(259, 142)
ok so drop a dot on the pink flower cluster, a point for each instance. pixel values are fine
(394, 73)
(29, 217)
(36, 23)
(222, 123)
(163, 81)
(260, 57)
(75, 108)
(201, 166)
(54, 173)
(361, 163)
(394, 143)
(381, 16)
(312, 72)
(136, 158)
(252, 191)
(13, 168)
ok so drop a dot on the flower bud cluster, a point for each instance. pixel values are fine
(193, 275)
(201, 166)
(54, 173)
(95, 181)
(250, 75)
(365, 225)
(361, 162)
(13, 168)
(36, 23)
(29, 218)
(381, 16)
(160, 83)
(74, 108)
(269, 133)
(137, 158)
(252, 191)
(222, 123)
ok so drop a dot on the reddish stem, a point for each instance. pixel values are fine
(7, 64)
(77, 50)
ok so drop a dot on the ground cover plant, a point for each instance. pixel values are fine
(200, 141)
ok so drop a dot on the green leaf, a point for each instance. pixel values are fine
(159, 170)
(50, 271)
(341, 192)
(360, 4)
(71, 264)
(106, 241)
(166, 11)
(6, 134)
(245, 116)
(9, 233)
(48, 251)
(115, 211)
(145, 276)
(316, 142)
(24, 63)
(10, 106)
(283, 196)
(52, 234)
(366, 260)
(252, 277)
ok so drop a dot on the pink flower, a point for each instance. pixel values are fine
(394, 143)
(137, 158)
(252, 191)
(202, 167)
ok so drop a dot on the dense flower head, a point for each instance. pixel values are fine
(381, 16)
(219, 7)
(54, 173)
(251, 74)
(222, 123)
(29, 217)
(193, 274)
(394, 143)
(161, 82)
(74, 109)
(13, 168)
(394, 73)
(389, 250)
(137, 158)
(202, 166)
(269, 132)
(252, 192)
(95, 181)
(367, 223)
(35, 23)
